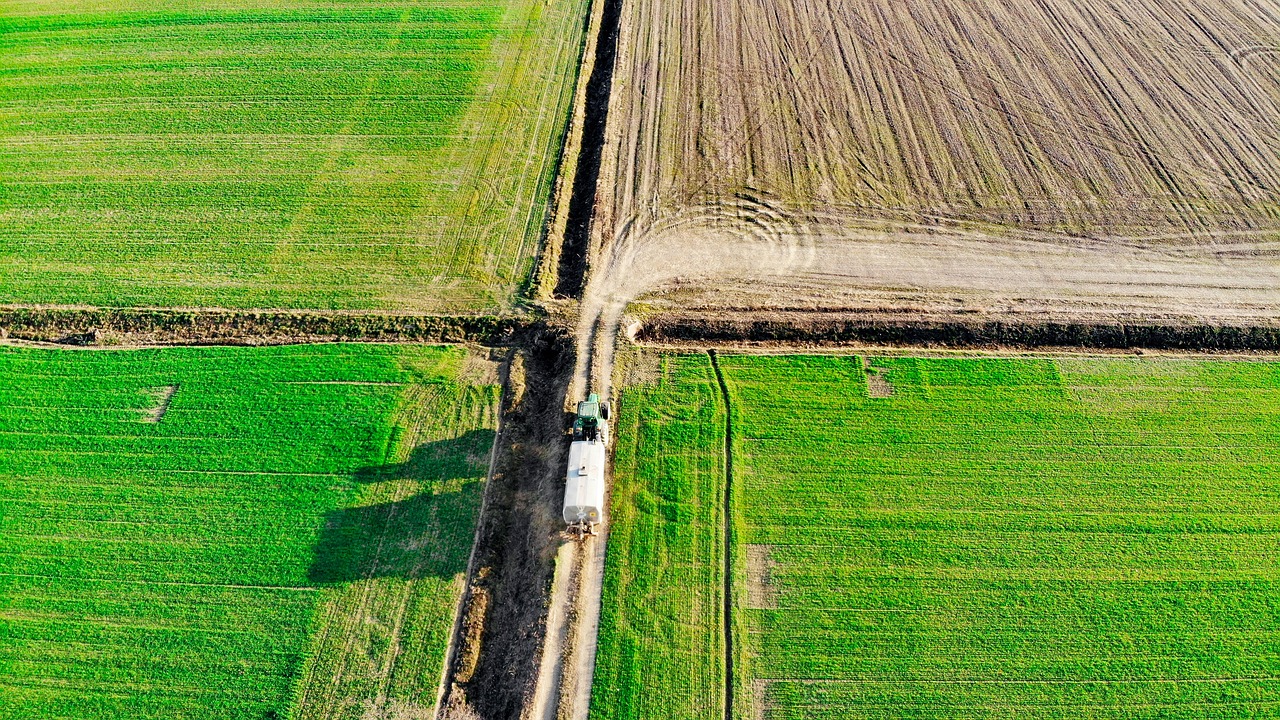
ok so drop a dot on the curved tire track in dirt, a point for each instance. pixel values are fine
(744, 240)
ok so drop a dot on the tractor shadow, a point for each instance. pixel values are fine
(428, 534)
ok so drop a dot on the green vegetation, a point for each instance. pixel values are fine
(186, 533)
(660, 652)
(334, 154)
(994, 538)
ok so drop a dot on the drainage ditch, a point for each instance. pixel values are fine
(571, 274)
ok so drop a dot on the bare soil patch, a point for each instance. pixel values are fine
(878, 386)
(761, 594)
(759, 695)
(1108, 159)
(163, 398)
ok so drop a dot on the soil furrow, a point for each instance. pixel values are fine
(728, 537)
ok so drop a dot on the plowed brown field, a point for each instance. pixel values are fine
(1061, 156)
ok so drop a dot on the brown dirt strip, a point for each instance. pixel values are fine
(563, 690)
(498, 657)
(800, 328)
(146, 326)
(761, 594)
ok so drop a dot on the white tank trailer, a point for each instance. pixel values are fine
(584, 476)
(584, 486)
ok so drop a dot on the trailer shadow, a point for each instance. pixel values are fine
(427, 534)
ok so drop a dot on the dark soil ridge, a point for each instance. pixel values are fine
(133, 326)
(495, 668)
(807, 328)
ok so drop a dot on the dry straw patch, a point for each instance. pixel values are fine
(761, 594)
(163, 397)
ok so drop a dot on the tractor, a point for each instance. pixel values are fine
(592, 422)
(584, 476)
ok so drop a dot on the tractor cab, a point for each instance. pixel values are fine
(592, 422)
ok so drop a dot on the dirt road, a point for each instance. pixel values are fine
(569, 655)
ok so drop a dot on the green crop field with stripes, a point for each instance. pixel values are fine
(328, 154)
(948, 538)
(234, 533)
(660, 651)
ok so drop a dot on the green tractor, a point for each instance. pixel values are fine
(592, 423)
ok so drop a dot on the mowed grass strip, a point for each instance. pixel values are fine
(1002, 537)
(185, 564)
(279, 153)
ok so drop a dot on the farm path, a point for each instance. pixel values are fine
(563, 691)
(547, 692)
(629, 270)
(705, 248)
(576, 700)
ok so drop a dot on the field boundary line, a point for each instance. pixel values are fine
(464, 599)
(134, 327)
(938, 332)
(766, 348)
(728, 535)
(230, 586)
(1013, 681)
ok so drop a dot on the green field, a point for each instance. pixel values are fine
(234, 533)
(995, 538)
(660, 652)
(333, 154)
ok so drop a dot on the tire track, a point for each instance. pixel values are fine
(740, 239)
(971, 152)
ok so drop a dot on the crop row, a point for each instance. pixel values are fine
(661, 651)
(1012, 536)
(281, 156)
